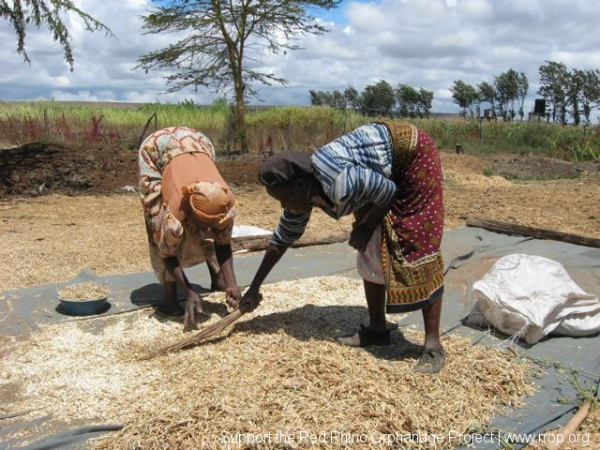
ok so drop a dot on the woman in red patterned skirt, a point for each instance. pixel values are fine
(389, 176)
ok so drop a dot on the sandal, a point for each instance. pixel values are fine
(366, 338)
(170, 311)
(431, 361)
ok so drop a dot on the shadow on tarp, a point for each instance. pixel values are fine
(469, 253)
(151, 294)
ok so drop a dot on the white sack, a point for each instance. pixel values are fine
(530, 296)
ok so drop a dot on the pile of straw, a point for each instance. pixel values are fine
(206, 333)
(85, 291)
(276, 370)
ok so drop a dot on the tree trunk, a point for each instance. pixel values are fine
(240, 118)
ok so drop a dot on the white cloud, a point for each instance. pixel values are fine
(422, 43)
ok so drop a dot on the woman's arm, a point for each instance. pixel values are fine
(192, 299)
(252, 297)
(225, 259)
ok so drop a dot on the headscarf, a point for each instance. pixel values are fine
(284, 167)
(209, 202)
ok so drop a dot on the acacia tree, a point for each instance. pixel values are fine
(21, 13)
(221, 42)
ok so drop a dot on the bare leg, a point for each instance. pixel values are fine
(376, 333)
(431, 320)
(169, 306)
(433, 357)
(217, 283)
(375, 294)
(171, 293)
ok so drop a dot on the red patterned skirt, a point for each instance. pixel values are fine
(412, 232)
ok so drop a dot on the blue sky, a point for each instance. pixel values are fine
(337, 15)
(421, 43)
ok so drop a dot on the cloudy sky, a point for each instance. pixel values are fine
(421, 43)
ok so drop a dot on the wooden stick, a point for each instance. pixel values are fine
(570, 427)
(254, 243)
(538, 233)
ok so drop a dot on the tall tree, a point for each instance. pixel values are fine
(424, 104)
(378, 99)
(21, 13)
(320, 98)
(464, 96)
(554, 81)
(507, 88)
(352, 98)
(339, 101)
(583, 93)
(221, 41)
(487, 93)
(574, 90)
(408, 99)
(590, 93)
(522, 90)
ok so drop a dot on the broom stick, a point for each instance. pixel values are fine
(202, 335)
(562, 435)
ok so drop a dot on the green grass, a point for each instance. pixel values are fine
(277, 128)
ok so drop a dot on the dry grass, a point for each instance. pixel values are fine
(277, 370)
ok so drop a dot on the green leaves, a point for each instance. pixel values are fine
(21, 13)
(218, 42)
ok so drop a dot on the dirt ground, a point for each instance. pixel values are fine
(63, 210)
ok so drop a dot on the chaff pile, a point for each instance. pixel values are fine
(80, 292)
(204, 334)
(277, 370)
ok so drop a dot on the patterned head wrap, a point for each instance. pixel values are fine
(284, 167)
(209, 202)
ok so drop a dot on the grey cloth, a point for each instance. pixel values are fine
(284, 167)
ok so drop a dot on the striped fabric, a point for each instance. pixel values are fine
(354, 170)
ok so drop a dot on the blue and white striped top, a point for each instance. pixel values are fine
(354, 170)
